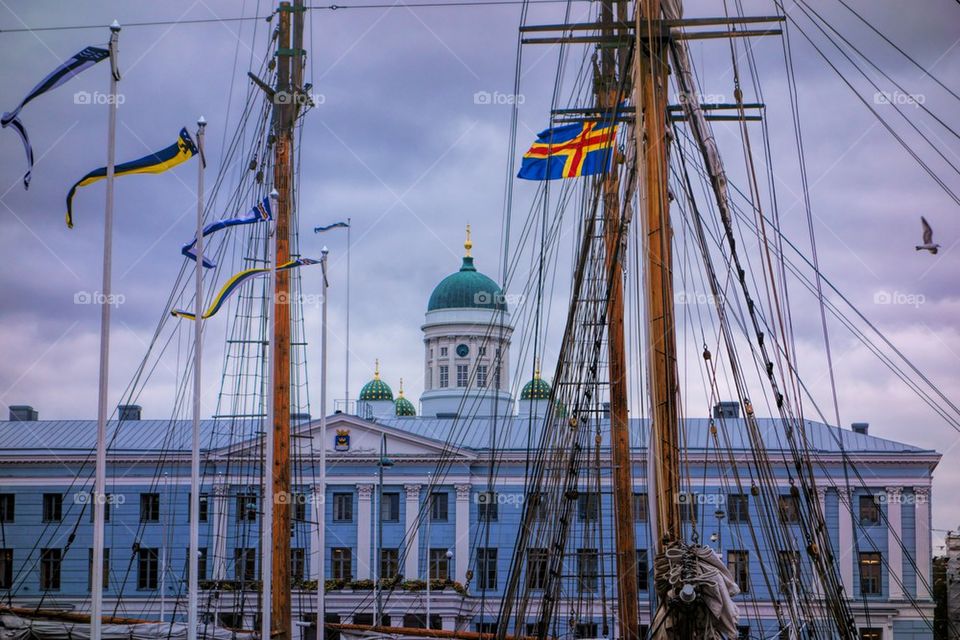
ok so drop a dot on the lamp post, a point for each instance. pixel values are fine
(321, 508)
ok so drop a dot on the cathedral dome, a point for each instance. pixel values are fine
(404, 407)
(376, 389)
(467, 288)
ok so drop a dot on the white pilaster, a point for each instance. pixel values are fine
(411, 565)
(922, 495)
(318, 500)
(845, 552)
(364, 518)
(462, 549)
(221, 493)
(894, 550)
(822, 501)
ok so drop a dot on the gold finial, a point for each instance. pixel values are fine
(376, 369)
(400, 393)
(468, 244)
(536, 370)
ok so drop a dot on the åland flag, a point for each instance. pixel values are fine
(568, 151)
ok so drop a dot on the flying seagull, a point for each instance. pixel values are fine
(928, 244)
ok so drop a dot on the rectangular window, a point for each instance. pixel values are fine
(738, 563)
(869, 510)
(789, 506)
(643, 569)
(738, 508)
(298, 564)
(588, 506)
(487, 510)
(444, 376)
(486, 627)
(148, 569)
(585, 630)
(462, 376)
(299, 507)
(7, 503)
(588, 565)
(871, 633)
(496, 373)
(201, 563)
(52, 507)
(439, 564)
(640, 506)
(487, 569)
(246, 507)
(443, 352)
(245, 564)
(6, 568)
(389, 563)
(870, 573)
(204, 506)
(537, 568)
(689, 507)
(439, 506)
(788, 565)
(481, 375)
(390, 507)
(149, 507)
(106, 569)
(342, 563)
(50, 560)
(107, 499)
(539, 506)
(343, 507)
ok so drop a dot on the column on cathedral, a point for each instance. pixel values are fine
(221, 493)
(318, 500)
(364, 519)
(822, 501)
(894, 550)
(846, 550)
(462, 547)
(922, 495)
(411, 565)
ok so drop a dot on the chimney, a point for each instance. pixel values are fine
(23, 413)
(860, 427)
(127, 412)
(606, 411)
(727, 409)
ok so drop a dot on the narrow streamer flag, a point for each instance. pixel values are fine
(569, 151)
(180, 151)
(79, 62)
(335, 225)
(260, 211)
(234, 283)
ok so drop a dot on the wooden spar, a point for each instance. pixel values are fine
(68, 616)
(650, 84)
(608, 97)
(424, 633)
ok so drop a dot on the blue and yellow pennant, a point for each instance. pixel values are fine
(570, 151)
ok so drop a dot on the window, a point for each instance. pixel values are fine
(585, 630)
(342, 565)
(587, 569)
(487, 568)
(298, 564)
(149, 507)
(299, 513)
(390, 507)
(107, 499)
(743, 632)
(367, 619)
(439, 506)
(534, 629)
(738, 508)
(201, 563)
(870, 573)
(537, 568)
(52, 507)
(6, 568)
(689, 504)
(871, 633)
(439, 564)
(148, 569)
(788, 563)
(245, 564)
(869, 510)
(640, 507)
(389, 563)
(419, 621)
(462, 375)
(738, 563)
(789, 506)
(204, 506)
(246, 507)
(50, 560)
(481, 375)
(106, 569)
(486, 627)
(643, 569)
(539, 505)
(588, 506)
(496, 373)
(444, 375)
(482, 351)
(443, 352)
(343, 507)
(7, 502)
(487, 506)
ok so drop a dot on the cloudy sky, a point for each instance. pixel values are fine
(400, 143)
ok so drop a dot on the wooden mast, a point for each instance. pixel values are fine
(650, 84)
(289, 77)
(608, 96)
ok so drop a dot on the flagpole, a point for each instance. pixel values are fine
(266, 523)
(194, 560)
(346, 407)
(321, 508)
(100, 479)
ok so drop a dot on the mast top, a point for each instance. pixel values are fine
(468, 244)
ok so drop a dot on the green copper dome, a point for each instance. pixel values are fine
(404, 407)
(536, 389)
(467, 288)
(376, 389)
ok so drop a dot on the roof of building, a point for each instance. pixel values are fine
(467, 288)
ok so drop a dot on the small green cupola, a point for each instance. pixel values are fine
(405, 408)
(376, 389)
(536, 389)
